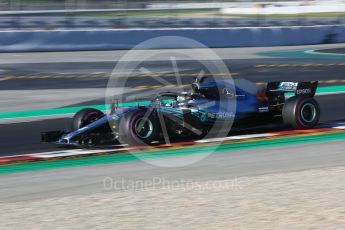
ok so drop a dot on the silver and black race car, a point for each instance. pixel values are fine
(211, 108)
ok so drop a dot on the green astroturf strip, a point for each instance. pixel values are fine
(315, 52)
(326, 90)
(61, 111)
(72, 110)
(301, 54)
(331, 89)
(46, 112)
(127, 157)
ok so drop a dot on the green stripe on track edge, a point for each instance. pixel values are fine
(301, 54)
(117, 158)
(61, 111)
(315, 52)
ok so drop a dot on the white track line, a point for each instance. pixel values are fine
(73, 152)
(241, 137)
(330, 93)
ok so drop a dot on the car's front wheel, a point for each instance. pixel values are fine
(85, 117)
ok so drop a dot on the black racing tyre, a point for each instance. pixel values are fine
(301, 112)
(136, 130)
(84, 117)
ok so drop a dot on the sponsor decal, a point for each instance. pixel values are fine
(303, 91)
(263, 109)
(228, 93)
(221, 115)
(288, 86)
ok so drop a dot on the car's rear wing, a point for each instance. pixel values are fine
(299, 88)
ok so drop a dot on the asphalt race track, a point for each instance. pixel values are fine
(333, 51)
(81, 74)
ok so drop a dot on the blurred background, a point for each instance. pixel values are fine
(56, 58)
(69, 14)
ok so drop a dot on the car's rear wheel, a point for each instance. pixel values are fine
(85, 117)
(138, 128)
(301, 112)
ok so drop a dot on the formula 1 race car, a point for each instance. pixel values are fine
(212, 106)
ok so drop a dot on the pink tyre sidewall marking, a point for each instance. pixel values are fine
(298, 115)
(90, 116)
(132, 124)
